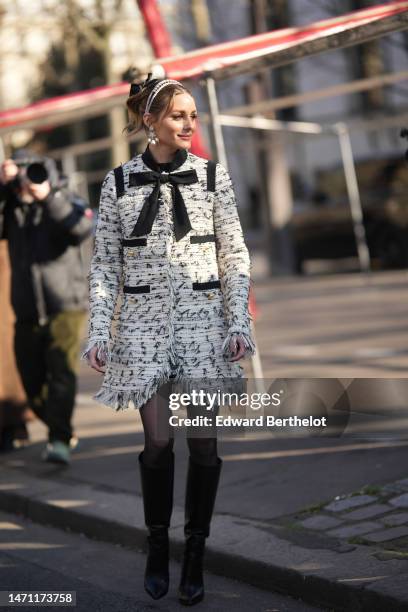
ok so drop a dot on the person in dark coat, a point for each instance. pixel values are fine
(45, 224)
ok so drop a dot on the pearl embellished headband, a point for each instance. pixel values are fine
(156, 90)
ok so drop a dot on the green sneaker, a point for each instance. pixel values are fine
(57, 452)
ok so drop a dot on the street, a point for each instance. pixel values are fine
(340, 326)
(107, 577)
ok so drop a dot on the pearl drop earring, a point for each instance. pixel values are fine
(152, 136)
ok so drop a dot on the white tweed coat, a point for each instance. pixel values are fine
(167, 323)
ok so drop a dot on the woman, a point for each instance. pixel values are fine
(168, 228)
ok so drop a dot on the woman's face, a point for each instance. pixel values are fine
(176, 128)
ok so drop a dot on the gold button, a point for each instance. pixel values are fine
(131, 253)
(210, 296)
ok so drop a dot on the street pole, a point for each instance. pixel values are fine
(215, 129)
(214, 125)
(354, 195)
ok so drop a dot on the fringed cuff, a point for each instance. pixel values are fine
(102, 353)
(250, 348)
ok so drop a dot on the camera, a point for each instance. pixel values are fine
(34, 171)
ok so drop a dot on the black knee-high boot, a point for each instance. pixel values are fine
(202, 485)
(157, 490)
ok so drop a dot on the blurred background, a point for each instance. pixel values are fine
(321, 184)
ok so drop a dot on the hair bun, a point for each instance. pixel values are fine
(136, 88)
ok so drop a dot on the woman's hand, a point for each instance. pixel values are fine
(94, 362)
(237, 348)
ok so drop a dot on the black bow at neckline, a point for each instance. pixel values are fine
(150, 207)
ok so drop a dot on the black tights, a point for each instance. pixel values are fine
(158, 443)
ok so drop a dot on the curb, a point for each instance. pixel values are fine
(311, 588)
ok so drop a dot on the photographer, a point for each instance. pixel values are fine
(45, 224)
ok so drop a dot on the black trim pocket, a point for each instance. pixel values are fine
(200, 239)
(134, 242)
(216, 284)
(139, 289)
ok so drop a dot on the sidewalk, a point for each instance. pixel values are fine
(344, 554)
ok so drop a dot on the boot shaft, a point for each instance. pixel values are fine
(201, 491)
(157, 490)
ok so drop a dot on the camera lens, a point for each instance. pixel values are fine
(37, 172)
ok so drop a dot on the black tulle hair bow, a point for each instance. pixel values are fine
(135, 88)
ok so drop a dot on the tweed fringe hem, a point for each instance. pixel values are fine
(120, 400)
